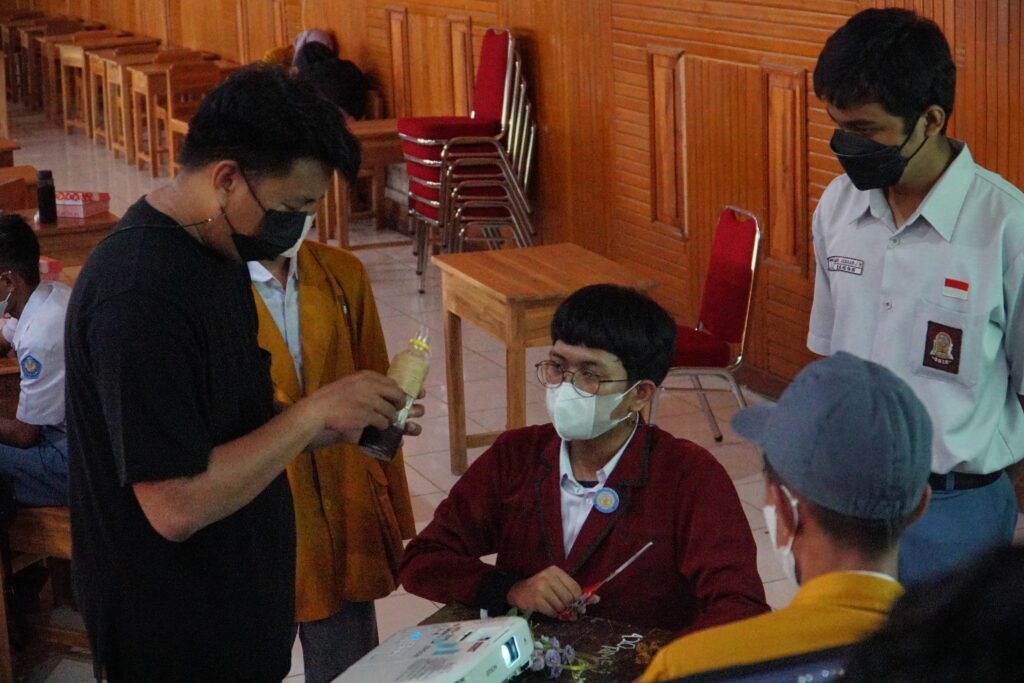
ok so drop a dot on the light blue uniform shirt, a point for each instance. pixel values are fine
(283, 303)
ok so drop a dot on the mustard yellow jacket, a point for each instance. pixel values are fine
(351, 511)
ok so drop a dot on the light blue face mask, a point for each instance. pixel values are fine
(581, 418)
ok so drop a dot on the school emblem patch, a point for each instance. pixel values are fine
(942, 348)
(30, 367)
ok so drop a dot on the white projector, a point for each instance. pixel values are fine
(491, 650)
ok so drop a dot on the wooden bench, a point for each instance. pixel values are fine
(38, 533)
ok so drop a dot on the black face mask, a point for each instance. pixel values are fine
(278, 231)
(871, 165)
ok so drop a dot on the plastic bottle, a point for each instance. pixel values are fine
(409, 369)
(46, 195)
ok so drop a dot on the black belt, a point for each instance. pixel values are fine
(958, 481)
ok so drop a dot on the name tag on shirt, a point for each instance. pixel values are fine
(845, 264)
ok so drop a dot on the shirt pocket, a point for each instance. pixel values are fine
(945, 344)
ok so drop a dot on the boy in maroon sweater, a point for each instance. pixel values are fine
(564, 504)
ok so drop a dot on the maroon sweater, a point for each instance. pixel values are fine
(700, 572)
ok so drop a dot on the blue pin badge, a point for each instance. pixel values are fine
(607, 500)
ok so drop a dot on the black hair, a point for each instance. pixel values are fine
(621, 321)
(870, 537)
(890, 56)
(964, 626)
(265, 119)
(19, 248)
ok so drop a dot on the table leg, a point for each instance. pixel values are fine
(66, 86)
(341, 215)
(127, 120)
(515, 379)
(380, 179)
(456, 392)
(137, 102)
(152, 135)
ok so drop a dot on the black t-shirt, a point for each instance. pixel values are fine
(162, 366)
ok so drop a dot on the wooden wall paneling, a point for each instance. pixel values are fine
(990, 84)
(786, 222)
(461, 37)
(211, 25)
(725, 133)
(668, 180)
(398, 49)
(257, 28)
(566, 57)
(430, 68)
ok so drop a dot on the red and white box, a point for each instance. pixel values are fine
(75, 204)
(49, 268)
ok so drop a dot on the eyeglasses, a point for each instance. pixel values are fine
(586, 383)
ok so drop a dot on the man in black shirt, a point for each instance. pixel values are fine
(182, 519)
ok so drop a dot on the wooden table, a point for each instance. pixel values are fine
(511, 294)
(121, 132)
(26, 173)
(74, 66)
(71, 240)
(7, 149)
(148, 85)
(622, 651)
(378, 139)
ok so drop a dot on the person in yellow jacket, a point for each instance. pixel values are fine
(847, 455)
(318, 320)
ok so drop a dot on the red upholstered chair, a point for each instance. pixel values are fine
(715, 347)
(468, 175)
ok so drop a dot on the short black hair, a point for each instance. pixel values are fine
(964, 626)
(621, 321)
(266, 119)
(890, 56)
(870, 537)
(19, 248)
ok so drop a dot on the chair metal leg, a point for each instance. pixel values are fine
(712, 422)
(736, 391)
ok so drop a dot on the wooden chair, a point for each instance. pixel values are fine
(15, 194)
(187, 85)
(36, 534)
(150, 148)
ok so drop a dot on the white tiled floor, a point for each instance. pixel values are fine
(79, 164)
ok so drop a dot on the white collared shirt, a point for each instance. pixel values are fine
(283, 303)
(38, 339)
(577, 500)
(938, 300)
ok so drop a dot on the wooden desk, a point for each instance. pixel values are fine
(511, 294)
(148, 88)
(71, 239)
(74, 68)
(7, 149)
(121, 132)
(623, 650)
(380, 145)
(33, 66)
(26, 173)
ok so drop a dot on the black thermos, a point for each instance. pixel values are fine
(46, 194)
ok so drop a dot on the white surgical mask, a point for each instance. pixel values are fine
(293, 251)
(784, 555)
(581, 418)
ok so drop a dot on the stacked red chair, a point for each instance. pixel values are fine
(469, 175)
(716, 346)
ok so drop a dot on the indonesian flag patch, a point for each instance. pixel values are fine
(955, 289)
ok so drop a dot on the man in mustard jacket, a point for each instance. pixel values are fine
(318, 320)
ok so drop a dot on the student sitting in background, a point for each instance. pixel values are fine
(847, 454)
(564, 505)
(33, 444)
(337, 80)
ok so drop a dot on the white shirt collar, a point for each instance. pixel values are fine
(877, 575)
(36, 299)
(259, 273)
(941, 206)
(566, 475)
